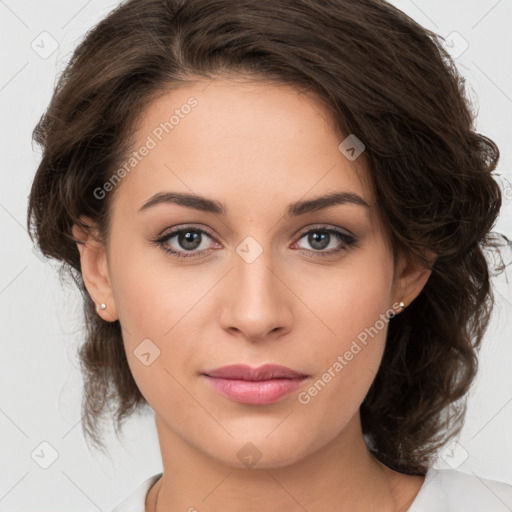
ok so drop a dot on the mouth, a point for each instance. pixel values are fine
(256, 386)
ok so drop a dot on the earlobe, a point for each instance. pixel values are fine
(95, 272)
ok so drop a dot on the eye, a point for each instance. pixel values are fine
(326, 241)
(185, 242)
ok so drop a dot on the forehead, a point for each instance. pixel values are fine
(239, 141)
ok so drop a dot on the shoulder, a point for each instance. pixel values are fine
(135, 501)
(448, 490)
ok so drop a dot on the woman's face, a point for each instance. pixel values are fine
(265, 280)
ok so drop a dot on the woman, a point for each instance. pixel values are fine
(277, 212)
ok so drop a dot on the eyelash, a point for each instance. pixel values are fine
(348, 241)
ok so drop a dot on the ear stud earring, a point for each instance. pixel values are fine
(103, 306)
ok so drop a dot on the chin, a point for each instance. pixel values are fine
(260, 452)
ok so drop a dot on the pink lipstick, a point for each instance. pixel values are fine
(257, 386)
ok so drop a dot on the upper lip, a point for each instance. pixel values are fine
(244, 372)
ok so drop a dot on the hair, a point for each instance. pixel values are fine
(382, 77)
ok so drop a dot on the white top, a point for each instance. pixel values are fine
(444, 490)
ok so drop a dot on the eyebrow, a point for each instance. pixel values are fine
(293, 210)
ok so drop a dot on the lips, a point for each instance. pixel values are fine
(256, 386)
(265, 372)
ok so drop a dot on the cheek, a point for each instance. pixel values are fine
(152, 295)
(355, 310)
(348, 301)
(346, 368)
(159, 308)
(349, 359)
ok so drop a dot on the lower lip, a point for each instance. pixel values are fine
(255, 392)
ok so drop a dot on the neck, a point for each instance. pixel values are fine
(342, 475)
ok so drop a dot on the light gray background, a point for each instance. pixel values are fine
(40, 320)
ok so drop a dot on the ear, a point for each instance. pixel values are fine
(411, 277)
(95, 272)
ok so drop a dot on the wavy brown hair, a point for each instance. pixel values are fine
(380, 76)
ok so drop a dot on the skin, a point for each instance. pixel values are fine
(257, 147)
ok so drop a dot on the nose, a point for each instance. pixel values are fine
(256, 300)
